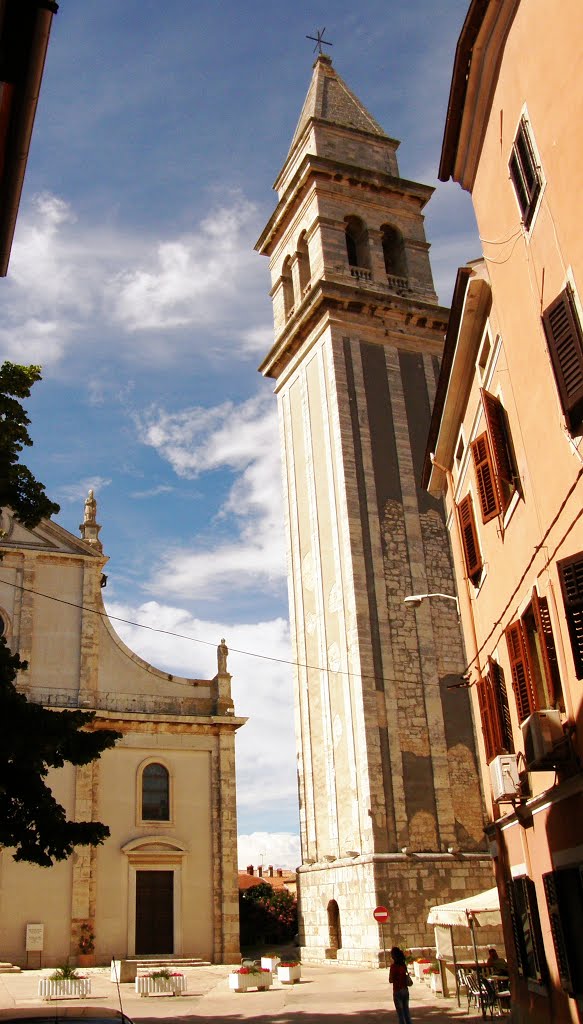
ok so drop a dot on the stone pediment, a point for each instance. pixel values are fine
(47, 536)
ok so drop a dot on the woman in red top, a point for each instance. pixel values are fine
(398, 976)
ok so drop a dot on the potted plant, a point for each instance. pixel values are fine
(435, 981)
(86, 946)
(160, 982)
(64, 981)
(419, 966)
(289, 971)
(269, 961)
(251, 976)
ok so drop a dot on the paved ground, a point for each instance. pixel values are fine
(348, 995)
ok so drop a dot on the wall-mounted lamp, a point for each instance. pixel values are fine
(414, 600)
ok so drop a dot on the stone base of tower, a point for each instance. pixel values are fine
(337, 900)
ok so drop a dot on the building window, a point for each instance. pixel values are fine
(304, 268)
(530, 955)
(571, 576)
(394, 253)
(155, 793)
(525, 172)
(484, 355)
(565, 341)
(357, 245)
(288, 288)
(494, 712)
(533, 660)
(564, 894)
(494, 461)
(470, 542)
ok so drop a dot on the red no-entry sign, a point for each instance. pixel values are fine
(380, 914)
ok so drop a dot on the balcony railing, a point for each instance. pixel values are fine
(361, 273)
(397, 284)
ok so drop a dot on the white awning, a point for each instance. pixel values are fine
(484, 908)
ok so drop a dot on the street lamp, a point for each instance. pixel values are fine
(414, 600)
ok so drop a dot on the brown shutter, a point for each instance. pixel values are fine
(470, 542)
(499, 441)
(540, 608)
(560, 944)
(522, 683)
(491, 747)
(571, 575)
(487, 490)
(500, 698)
(517, 932)
(565, 341)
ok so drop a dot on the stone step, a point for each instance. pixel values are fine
(147, 963)
(9, 969)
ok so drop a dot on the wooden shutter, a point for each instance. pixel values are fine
(560, 944)
(500, 698)
(485, 478)
(499, 444)
(540, 608)
(517, 932)
(487, 715)
(522, 681)
(470, 541)
(571, 575)
(565, 341)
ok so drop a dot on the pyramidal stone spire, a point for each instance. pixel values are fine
(330, 99)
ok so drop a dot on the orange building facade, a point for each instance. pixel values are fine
(506, 451)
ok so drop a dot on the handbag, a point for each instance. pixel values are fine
(408, 980)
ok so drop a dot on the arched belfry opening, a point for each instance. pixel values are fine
(393, 252)
(288, 288)
(357, 243)
(305, 271)
(334, 930)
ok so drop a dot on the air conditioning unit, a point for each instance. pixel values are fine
(541, 732)
(504, 778)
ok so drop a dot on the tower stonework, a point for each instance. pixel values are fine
(390, 804)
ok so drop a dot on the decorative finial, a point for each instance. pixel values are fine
(319, 40)
(89, 527)
(222, 653)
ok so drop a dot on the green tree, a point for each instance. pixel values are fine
(18, 488)
(267, 915)
(34, 739)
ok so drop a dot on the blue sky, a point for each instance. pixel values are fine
(133, 281)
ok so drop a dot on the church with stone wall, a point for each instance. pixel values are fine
(165, 882)
(391, 811)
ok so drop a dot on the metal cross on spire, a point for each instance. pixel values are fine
(319, 40)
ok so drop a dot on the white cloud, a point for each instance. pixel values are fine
(79, 490)
(262, 690)
(245, 440)
(69, 278)
(278, 849)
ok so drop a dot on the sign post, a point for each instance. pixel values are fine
(381, 915)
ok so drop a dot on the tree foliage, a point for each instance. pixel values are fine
(267, 915)
(34, 739)
(19, 489)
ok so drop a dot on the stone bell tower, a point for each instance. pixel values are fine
(390, 802)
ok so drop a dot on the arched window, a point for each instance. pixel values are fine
(304, 263)
(288, 288)
(334, 930)
(393, 252)
(155, 793)
(357, 247)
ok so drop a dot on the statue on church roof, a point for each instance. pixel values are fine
(222, 654)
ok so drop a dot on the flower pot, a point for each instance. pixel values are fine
(418, 967)
(76, 987)
(146, 986)
(239, 982)
(435, 982)
(85, 959)
(270, 962)
(289, 975)
(264, 979)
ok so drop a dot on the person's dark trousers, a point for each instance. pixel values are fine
(401, 999)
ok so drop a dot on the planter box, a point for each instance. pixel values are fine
(77, 988)
(436, 985)
(260, 980)
(418, 969)
(174, 986)
(270, 962)
(289, 975)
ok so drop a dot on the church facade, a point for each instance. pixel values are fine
(391, 811)
(165, 882)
